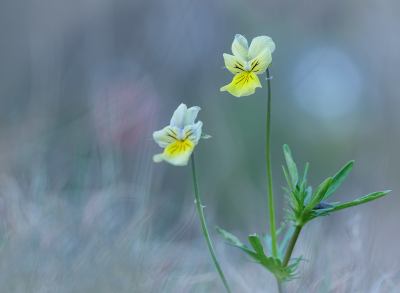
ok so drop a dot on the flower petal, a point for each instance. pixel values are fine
(259, 44)
(190, 115)
(166, 136)
(259, 64)
(243, 84)
(177, 154)
(179, 114)
(193, 132)
(234, 64)
(240, 47)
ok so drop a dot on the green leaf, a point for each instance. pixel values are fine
(255, 242)
(338, 179)
(287, 177)
(304, 175)
(291, 165)
(228, 236)
(318, 196)
(281, 228)
(361, 200)
(308, 196)
(205, 136)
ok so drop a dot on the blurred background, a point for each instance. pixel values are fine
(83, 86)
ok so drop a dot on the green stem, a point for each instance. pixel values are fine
(280, 286)
(291, 245)
(203, 225)
(270, 195)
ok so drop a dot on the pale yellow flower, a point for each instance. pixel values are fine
(179, 138)
(246, 62)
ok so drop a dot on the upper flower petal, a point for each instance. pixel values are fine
(240, 47)
(234, 64)
(243, 84)
(260, 63)
(259, 44)
(179, 114)
(177, 153)
(190, 115)
(166, 136)
(184, 116)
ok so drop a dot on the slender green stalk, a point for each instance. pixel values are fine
(203, 225)
(269, 174)
(291, 245)
(280, 286)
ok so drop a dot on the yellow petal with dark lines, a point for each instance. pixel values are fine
(243, 84)
(234, 64)
(177, 153)
(259, 64)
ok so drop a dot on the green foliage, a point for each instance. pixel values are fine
(273, 264)
(284, 243)
(205, 136)
(338, 179)
(291, 165)
(305, 206)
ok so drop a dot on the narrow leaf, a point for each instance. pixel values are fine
(287, 177)
(205, 136)
(229, 236)
(291, 165)
(361, 200)
(338, 179)
(308, 196)
(304, 175)
(318, 195)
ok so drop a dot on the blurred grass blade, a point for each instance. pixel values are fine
(291, 165)
(338, 179)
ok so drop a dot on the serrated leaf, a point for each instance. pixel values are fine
(291, 165)
(205, 136)
(361, 200)
(318, 195)
(338, 179)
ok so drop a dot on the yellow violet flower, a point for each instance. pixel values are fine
(246, 62)
(179, 138)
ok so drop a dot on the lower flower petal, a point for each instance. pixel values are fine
(177, 153)
(243, 84)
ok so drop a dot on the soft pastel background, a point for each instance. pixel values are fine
(84, 84)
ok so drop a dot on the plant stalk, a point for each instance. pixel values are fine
(269, 174)
(291, 245)
(203, 225)
(280, 286)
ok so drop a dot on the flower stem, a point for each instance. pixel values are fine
(203, 225)
(270, 195)
(291, 245)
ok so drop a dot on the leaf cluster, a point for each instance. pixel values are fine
(305, 205)
(273, 264)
